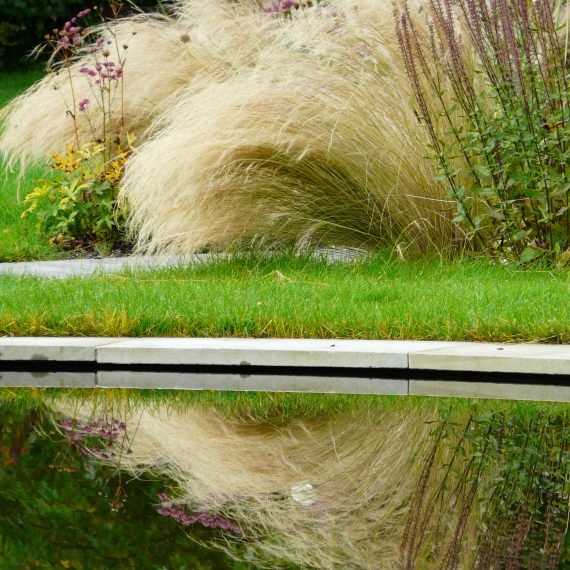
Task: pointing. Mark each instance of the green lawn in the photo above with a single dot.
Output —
(471, 300)
(279, 297)
(19, 239)
(13, 83)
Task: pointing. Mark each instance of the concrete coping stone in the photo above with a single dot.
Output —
(415, 355)
(263, 352)
(451, 357)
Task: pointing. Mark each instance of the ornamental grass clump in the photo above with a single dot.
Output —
(293, 124)
(491, 85)
(313, 141)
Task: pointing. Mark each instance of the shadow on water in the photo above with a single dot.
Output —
(417, 484)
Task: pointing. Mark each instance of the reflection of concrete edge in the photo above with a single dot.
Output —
(48, 379)
(272, 383)
(258, 382)
(458, 389)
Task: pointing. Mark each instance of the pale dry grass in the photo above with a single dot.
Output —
(263, 130)
(38, 122)
(315, 143)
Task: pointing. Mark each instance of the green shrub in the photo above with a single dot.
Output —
(76, 204)
(496, 103)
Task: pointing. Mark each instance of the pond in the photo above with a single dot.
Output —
(297, 481)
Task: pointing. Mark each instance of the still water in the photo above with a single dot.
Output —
(386, 483)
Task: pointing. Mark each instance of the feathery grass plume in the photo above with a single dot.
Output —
(316, 143)
(162, 55)
(39, 121)
(260, 127)
(325, 492)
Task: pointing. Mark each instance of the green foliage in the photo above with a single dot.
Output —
(500, 130)
(76, 203)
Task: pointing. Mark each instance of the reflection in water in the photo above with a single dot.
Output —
(60, 509)
(412, 484)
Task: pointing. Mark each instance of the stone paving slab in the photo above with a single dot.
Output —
(100, 266)
(249, 383)
(491, 357)
(59, 349)
(263, 352)
(494, 391)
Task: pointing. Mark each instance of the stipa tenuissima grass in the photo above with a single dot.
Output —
(255, 127)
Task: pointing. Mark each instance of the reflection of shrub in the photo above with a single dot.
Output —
(77, 201)
(498, 479)
(499, 127)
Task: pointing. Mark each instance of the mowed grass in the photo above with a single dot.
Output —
(20, 239)
(284, 296)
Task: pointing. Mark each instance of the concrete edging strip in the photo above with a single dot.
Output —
(528, 359)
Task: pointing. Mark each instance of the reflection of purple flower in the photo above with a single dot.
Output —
(179, 514)
(102, 431)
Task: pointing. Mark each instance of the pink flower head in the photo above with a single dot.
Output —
(83, 105)
(84, 13)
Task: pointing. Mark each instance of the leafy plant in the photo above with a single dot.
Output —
(77, 202)
(492, 89)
